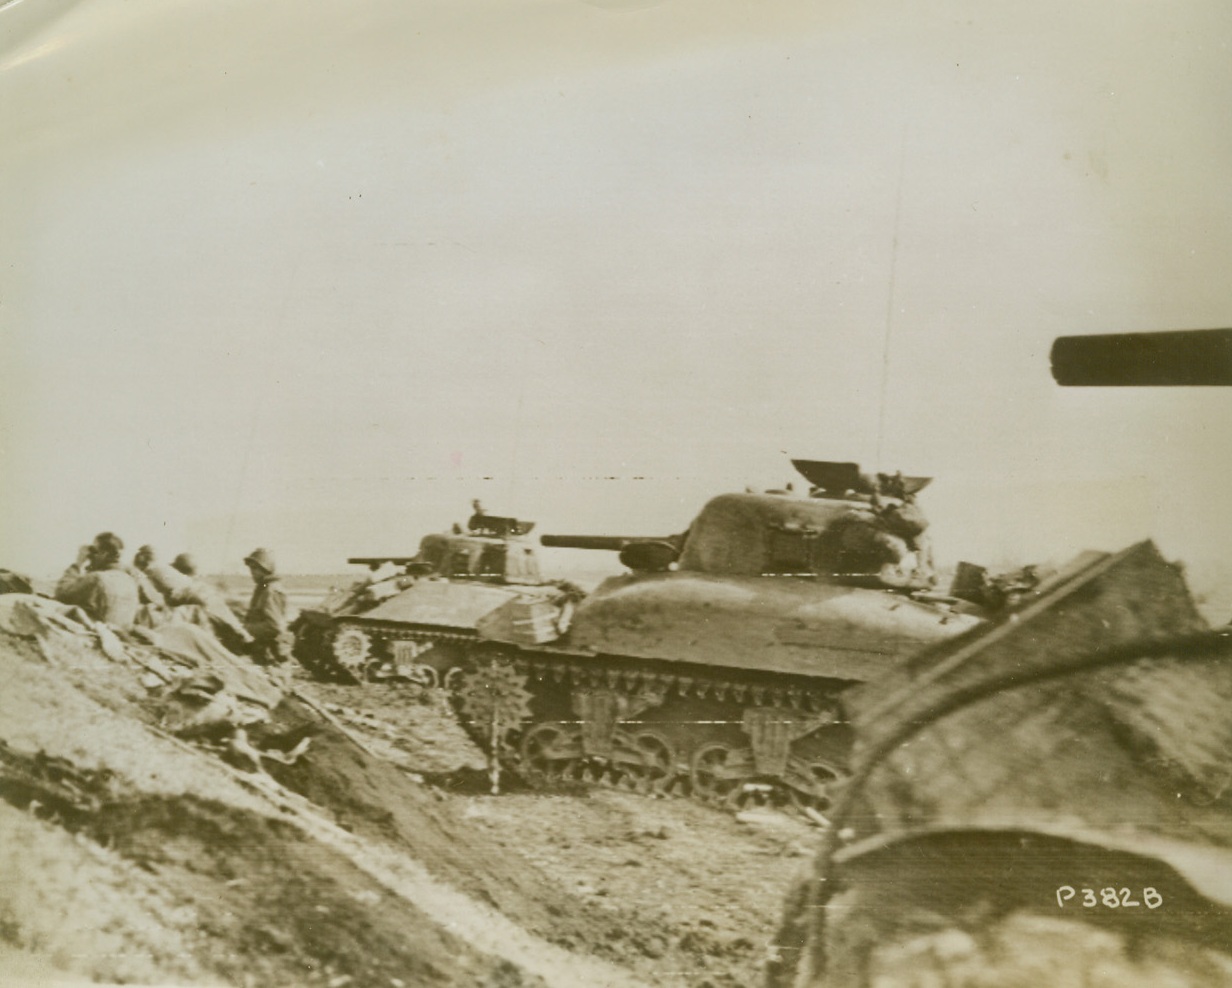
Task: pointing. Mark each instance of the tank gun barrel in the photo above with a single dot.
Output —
(643, 553)
(610, 543)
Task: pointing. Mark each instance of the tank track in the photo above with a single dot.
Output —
(641, 725)
(356, 651)
(649, 728)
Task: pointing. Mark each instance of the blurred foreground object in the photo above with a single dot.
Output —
(1079, 743)
(1170, 359)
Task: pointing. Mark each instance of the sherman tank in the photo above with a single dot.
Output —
(416, 616)
(715, 665)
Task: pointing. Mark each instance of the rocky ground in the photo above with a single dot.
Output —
(348, 837)
(130, 855)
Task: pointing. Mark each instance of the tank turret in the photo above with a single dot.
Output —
(415, 615)
(851, 529)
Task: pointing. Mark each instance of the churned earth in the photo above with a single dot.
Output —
(693, 889)
(375, 857)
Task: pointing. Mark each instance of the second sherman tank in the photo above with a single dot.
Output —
(417, 616)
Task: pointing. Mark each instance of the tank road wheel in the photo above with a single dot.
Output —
(551, 753)
(811, 785)
(654, 765)
(423, 675)
(718, 771)
(352, 651)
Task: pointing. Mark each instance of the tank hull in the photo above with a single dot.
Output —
(719, 686)
(424, 632)
(789, 625)
(725, 688)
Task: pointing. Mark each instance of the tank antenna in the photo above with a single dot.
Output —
(889, 322)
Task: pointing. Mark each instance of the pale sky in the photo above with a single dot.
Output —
(312, 275)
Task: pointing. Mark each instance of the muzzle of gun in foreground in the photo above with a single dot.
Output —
(1168, 359)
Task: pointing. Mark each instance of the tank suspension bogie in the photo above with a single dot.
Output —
(652, 767)
(719, 771)
(772, 731)
(728, 773)
(811, 783)
(551, 752)
(423, 674)
(650, 730)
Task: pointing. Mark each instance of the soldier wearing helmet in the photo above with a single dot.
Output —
(266, 620)
(98, 583)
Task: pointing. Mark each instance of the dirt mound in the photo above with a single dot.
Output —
(314, 852)
(409, 725)
(209, 879)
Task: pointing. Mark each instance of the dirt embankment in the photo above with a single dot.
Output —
(129, 855)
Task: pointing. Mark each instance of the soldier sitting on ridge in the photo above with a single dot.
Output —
(98, 583)
(170, 583)
(153, 602)
(182, 590)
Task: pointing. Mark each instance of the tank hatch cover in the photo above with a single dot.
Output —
(838, 478)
